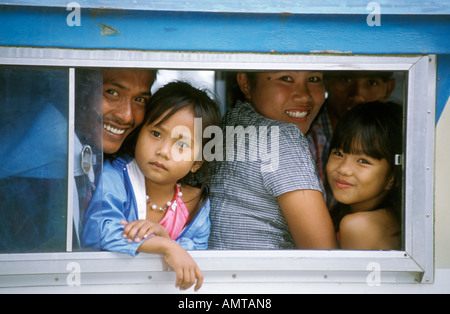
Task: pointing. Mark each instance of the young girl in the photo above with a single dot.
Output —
(144, 204)
(365, 179)
(277, 206)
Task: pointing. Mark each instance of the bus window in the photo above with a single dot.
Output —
(210, 81)
(42, 204)
(33, 155)
(344, 90)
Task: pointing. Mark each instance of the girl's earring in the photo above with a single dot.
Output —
(390, 183)
(196, 166)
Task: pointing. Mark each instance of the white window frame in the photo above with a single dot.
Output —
(415, 264)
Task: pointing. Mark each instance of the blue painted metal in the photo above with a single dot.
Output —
(443, 84)
(284, 33)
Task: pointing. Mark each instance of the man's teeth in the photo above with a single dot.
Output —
(297, 114)
(109, 128)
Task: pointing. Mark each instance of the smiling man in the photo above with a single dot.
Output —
(125, 95)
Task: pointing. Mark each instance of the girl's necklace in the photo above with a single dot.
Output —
(172, 204)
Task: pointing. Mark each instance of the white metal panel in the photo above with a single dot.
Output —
(419, 161)
(70, 167)
(203, 60)
(105, 268)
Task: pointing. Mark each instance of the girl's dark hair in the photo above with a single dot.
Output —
(175, 96)
(376, 130)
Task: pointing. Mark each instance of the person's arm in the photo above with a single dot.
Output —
(102, 228)
(186, 270)
(308, 219)
(368, 231)
(139, 230)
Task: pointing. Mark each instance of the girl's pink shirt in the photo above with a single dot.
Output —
(176, 217)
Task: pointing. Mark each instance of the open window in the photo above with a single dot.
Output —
(64, 73)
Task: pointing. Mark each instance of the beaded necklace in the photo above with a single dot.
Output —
(172, 204)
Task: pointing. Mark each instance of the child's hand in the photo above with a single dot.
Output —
(185, 268)
(142, 229)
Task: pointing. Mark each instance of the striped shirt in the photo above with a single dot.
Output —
(244, 209)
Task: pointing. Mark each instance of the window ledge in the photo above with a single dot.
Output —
(106, 268)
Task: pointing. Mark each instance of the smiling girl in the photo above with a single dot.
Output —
(145, 204)
(365, 179)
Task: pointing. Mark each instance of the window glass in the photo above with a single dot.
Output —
(34, 182)
(210, 81)
(344, 90)
(199, 79)
(88, 151)
(33, 155)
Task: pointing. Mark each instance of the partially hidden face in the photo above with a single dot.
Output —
(345, 92)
